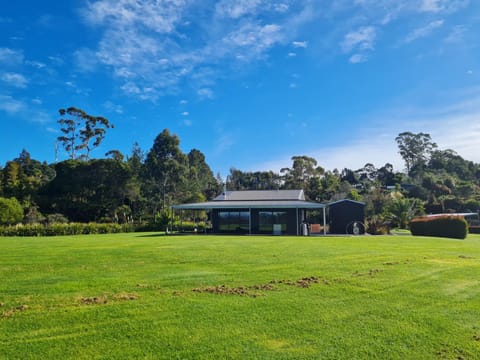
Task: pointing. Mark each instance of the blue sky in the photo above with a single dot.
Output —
(249, 83)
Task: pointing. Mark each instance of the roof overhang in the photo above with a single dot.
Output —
(289, 204)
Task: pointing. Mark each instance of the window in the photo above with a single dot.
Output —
(268, 218)
(234, 221)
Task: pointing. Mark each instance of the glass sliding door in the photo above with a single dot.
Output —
(234, 222)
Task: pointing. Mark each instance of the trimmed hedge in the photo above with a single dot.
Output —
(57, 229)
(474, 229)
(443, 226)
(64, 229)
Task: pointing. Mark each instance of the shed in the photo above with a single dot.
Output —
(346, 217)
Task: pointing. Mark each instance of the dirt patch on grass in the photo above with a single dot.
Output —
(305, 282)
(104, 299)
(94, 300)
(371, 273)
(476, 337)
(125, 296)
(465, 257)
(240, 290)
(14, 310)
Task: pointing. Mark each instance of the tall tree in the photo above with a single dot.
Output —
(415, 149)
(81, 131)
(201, 176)
(303, 169)
(166, 168)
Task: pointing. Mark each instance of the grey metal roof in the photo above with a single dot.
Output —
(346, 200)
(256, 204)
(261, 195)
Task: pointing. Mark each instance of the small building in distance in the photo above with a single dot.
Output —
(277, 212)
(346, 217)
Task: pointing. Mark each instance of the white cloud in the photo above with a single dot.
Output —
(35, 64)
(160, 16)
(149, 43)
(292, 54)
(14, 79)
(10, 105)
(424, 31)
(205, 93)
(436, 6)
(300, 44)
(85, 60)
(457, 34)
(37, 101)
(185, 113)
(236, 9)
(360, 40)
(256, 38)
(11, 57)
(358, 58)
(111, 107)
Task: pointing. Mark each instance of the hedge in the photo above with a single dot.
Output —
(94, 228)
(443, 226)
(64, 229)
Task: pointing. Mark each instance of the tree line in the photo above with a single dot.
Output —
(140, 186)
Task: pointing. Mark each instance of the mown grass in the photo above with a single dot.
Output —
(130, 296)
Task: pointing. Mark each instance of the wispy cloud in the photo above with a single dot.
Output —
(360, 39)
(112, 107)
(436, 6)
(14, 79)
(150, 47)
(456, 34)
(21, 109)
(10, 105)
(10, 56)
(300, 44)
(155, 47)
(358, 58)
(424, 31)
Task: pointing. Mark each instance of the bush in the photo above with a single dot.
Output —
(64, 229)
(449, 226)
(377, 226)
(11, 212)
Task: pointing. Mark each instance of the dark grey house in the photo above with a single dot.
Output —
(280, 212)
(346, 217)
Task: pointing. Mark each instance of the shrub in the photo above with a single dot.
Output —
(377, 226)
(64, 229)
(11, 212)
(449, 226)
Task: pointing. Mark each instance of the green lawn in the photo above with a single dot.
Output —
(241, 297)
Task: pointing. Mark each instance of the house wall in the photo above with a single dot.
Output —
(262, 221)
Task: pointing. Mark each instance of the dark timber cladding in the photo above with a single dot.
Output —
(257, 211)
(343, 214)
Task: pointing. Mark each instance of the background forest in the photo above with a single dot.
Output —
(139, 187)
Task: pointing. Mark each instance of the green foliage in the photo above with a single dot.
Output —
(415, 149)
(440, 226)
(87, 190)
(400, 211)
(376, 225)
(80, 130)
(57, 229)
(11, 212)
